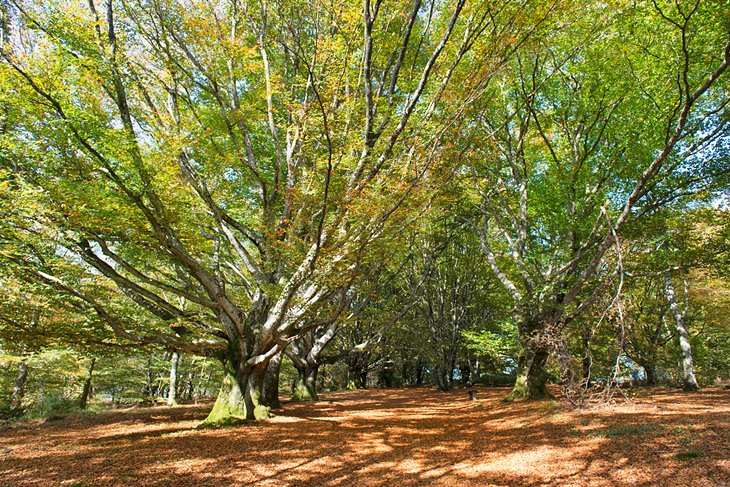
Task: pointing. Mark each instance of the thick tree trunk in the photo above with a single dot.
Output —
(240, 396)
(305, 388)
(531, 380)
(271, 383)
(688, 374)
(16, 400)
(650, 371)
(86, 391)
(172, 390)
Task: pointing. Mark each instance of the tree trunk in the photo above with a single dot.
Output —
(271, 382)
(419, 372)
(86, 392)
(306, 384)
(531, 380)
(688, 374)
(16, 400)
(357, 374)
(587, 362)
(442, 379)
(650, 370)
(240, 396)
(172, 390)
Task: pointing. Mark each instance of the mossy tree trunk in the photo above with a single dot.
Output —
(539, 336)
(443, 378)
(531, 382)
(241, 393)
(240, 396)
(270, 396)
(305, 388)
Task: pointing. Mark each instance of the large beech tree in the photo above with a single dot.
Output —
(620, 112)
(227, 164)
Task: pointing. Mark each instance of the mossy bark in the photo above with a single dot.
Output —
(229, 403)
(270, 396)
(240, 397)
(305, 388)
(532, 377)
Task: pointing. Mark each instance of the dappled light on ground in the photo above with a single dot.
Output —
(388, 437)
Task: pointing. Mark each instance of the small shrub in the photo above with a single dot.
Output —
(53, 405)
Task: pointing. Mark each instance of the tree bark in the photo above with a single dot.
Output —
(305, 388)
(86, 392)
(531, 382)
(688, 374)
(241, 393)
(442, 378)
(650, 371)
(172, 390)
(16, 400)
(271, 382)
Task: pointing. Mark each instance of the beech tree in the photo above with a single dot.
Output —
(619, 112)
(225, 164)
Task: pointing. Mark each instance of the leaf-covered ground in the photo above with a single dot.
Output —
(388, 437)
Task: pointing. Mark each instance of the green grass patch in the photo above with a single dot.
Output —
(615, 433)
(688, 455)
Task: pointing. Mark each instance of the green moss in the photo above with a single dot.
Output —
(226, 422)
(261, 412)
(301, 393)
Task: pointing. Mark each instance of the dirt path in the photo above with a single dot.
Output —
(391, 437)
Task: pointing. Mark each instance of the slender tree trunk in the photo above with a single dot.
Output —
(688, 374)
(587, 362)
(16, 400)
(172, 391)
(86, 391)
(419, 372)
(271, 382)
(442, 378)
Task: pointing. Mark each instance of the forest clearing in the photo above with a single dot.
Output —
(283, 242)
(388, 437)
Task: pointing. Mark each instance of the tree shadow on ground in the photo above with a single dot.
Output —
(385, 437)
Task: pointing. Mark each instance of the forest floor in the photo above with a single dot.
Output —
(388, 437)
